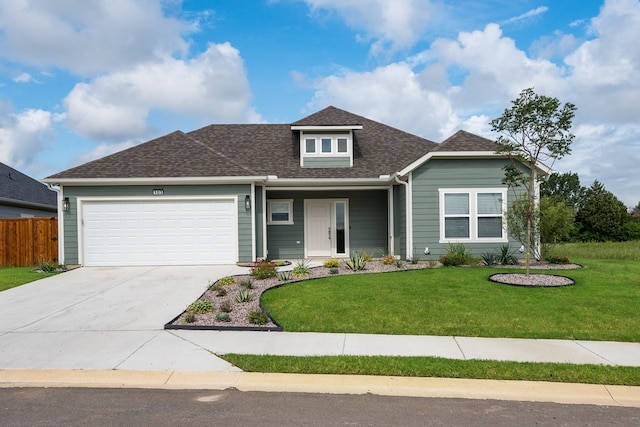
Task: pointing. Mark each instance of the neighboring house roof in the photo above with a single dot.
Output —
(18, 188)
(261, 150)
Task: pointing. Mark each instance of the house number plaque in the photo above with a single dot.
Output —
(158, 192)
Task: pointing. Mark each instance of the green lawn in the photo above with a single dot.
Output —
(602, 305)
(437, 367)
(10, 277)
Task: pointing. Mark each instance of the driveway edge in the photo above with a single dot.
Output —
(532, 391)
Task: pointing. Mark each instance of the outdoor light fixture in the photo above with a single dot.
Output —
(247, 202)
(66, 205)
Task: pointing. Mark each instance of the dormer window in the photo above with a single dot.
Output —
(326, 146)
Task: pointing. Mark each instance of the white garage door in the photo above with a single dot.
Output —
(168, 232)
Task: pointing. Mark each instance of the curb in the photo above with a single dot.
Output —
(532, 391)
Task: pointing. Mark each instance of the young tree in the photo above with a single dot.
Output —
(536, 129)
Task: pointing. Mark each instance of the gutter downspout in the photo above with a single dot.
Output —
(408, 217)
(58, 190)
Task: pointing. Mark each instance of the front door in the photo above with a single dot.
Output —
(326, 228)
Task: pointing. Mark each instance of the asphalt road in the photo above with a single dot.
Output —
(142, 407)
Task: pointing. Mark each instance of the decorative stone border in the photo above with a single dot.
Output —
(531, 280)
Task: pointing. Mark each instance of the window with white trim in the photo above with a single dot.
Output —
(472, 215)
(280, 211)
(337, 144)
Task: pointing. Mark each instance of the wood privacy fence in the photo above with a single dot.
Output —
(28, 241)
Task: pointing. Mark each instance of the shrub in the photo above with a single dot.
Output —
(223, 317)
(388, 260)
(225, 306)
(247, 284)
(200, 307)
(507, 256)
(48, 267)
(356, 262)
(301, 268)
(334, 270)
(331, 262)
(226, 281)
(258, 318)
(283, 276)
(489, 258)
(399, 263)
(263, 270)
(220, 292)
(415, 258)
(457, 254)
(558, 260)
(367, 257)
(244, 296)
(190, 318)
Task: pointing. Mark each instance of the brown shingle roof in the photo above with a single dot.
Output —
(465, 141)
(269, 149)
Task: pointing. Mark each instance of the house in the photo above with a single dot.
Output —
(325, 186)
(24, 197)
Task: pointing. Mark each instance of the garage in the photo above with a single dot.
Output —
(159, 232)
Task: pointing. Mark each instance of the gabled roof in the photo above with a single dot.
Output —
(465, 141)
(257, 150)
(16, 187)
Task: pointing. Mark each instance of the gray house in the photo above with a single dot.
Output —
(24, 197)
(327, 185)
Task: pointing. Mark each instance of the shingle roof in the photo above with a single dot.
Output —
(18, 187)
(258, 150)
(465, 141)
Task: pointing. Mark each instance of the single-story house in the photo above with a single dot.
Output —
(24, 197)
(325, 186)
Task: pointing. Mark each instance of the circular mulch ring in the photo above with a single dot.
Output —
(531, 280)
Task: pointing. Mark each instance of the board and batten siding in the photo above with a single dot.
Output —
(368, 221)
(399, 221)
(450, 173)
(238, 190)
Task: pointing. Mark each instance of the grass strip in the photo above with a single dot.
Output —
(438, 367)
(10, 277)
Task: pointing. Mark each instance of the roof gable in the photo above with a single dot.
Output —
(466, 141)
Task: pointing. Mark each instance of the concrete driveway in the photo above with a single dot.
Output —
(106, 318)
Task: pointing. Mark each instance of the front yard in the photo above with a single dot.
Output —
(10, 277)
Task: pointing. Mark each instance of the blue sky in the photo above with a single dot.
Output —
(79, 80)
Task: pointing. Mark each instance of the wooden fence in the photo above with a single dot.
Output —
(28, 241)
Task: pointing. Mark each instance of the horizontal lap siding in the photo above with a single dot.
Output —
(239, 190)
(368, 220)
(436, 174)
(326, 162)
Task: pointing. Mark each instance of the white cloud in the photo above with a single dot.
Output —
(23, 78)
(527, 15)
(87, 36)
(23, 134)
(212, 87)
(394, 24)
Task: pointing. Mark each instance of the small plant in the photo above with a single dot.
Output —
(226, 281)
(200, 307)
(263, 270)
(367, 257)
(283, 276)
(225, 306)
(48, 267)
(507, 256)
(258, 318)
(356, 262)
(457, 254)
(223, 317)
(415, 258)
(246, 284)
(432, 263)
(558, 260)
(489, 258)
(301, 268)
(331, 262)
(244, 296)
(190, 318)
(388, 260)
(334, 270)
(399, 263)
(220, 292)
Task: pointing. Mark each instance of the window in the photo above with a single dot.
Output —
(327, 145)
(472, 215)
(280, 211)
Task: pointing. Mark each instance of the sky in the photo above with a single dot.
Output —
(80, 80)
